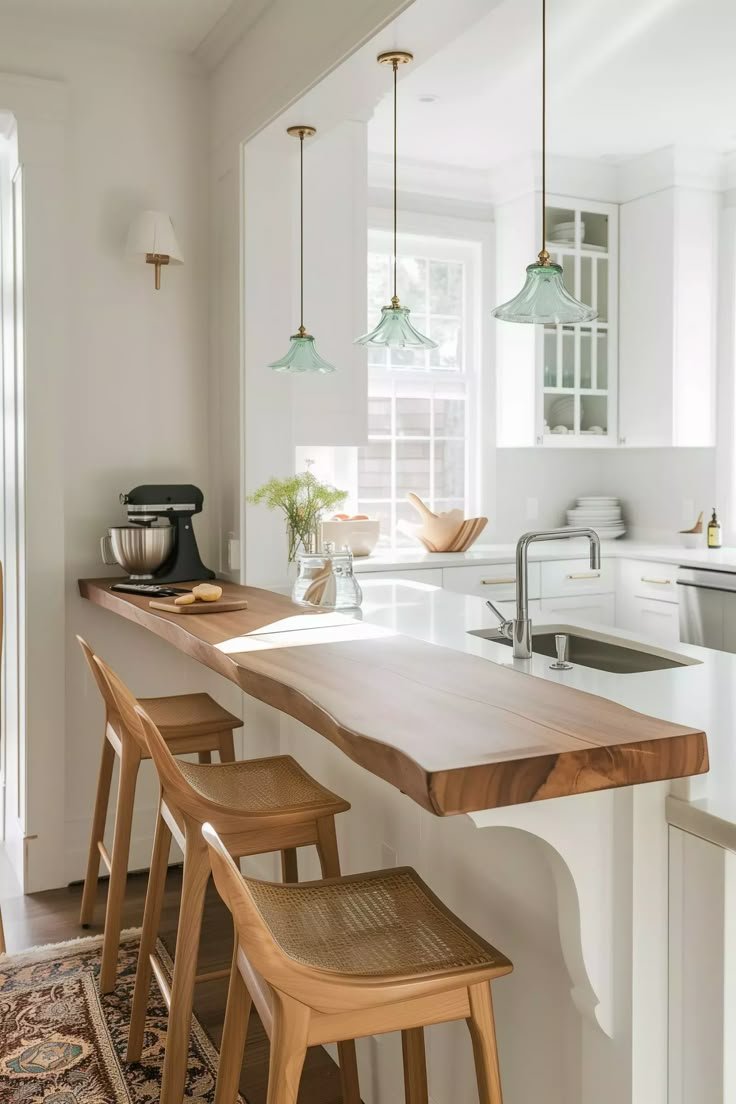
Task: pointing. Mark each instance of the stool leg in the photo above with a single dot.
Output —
(102, 799)
(2, 936)
(288, 1049)
(349, 1081)
(329, 856)
(234, 1035)
(151, 922)
(194, 887)
(415, 1066)
(129, 763)
(483, 1033)
(289, 865)
(227, 747)
(204, 756)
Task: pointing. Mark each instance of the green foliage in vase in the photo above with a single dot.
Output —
(303, 500)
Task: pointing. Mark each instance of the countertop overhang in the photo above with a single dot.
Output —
(455, 731)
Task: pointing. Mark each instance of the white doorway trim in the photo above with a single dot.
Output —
(35, 817)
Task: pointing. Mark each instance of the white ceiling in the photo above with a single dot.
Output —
(181, 25)
(624, 77)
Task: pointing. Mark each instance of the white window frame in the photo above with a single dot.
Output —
(429, 237)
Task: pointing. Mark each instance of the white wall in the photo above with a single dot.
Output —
(135, 379)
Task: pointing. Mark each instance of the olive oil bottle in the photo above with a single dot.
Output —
(714, 531)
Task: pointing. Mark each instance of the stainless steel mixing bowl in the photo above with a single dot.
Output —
(138, 549)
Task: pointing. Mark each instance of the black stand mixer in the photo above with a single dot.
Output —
(178, 503)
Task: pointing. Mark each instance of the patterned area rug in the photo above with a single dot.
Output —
(62, 1043)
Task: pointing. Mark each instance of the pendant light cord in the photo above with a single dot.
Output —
(395, 299)
(544, 258)
(302, 331)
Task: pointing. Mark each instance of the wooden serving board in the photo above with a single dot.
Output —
(222, 605)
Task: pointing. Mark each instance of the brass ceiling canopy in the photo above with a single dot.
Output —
(395, 57)
(301, 131)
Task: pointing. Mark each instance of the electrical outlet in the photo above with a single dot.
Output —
(233, 554)
(532, 509)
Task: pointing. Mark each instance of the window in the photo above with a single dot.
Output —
(420, 403)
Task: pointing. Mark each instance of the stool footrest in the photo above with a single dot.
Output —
(213, 975)
(161, 979)
(104, 855)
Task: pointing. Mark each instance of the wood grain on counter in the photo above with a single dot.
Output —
(456, 732)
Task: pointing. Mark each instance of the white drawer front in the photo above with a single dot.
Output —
(650, 580)
(598, 609)
(496, 581)
(659, 621)
(432, 575)
(563, 577)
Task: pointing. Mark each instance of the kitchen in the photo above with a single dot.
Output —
(598, 922)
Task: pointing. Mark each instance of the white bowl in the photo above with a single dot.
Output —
(361, 536)
(691, 540)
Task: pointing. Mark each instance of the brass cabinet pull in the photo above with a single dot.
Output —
(496, 582)
(657, 582)
(585, 575)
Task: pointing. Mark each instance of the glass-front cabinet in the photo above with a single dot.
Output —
(558, 385)
(576, 374)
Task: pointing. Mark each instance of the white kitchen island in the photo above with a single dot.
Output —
(614, 998)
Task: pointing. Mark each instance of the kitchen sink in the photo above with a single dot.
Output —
(596, 650)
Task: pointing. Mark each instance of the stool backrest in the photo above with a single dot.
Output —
(259, 945)
(126, 726)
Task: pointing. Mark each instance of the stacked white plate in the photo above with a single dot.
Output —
(564, 233)
(599, 512)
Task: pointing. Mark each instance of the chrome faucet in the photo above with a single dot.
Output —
(519, 631)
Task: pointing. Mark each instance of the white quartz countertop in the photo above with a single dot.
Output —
(482, 554)
(701, 695)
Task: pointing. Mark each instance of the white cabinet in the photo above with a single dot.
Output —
(667, 318)
(647, 600)
(598, 609)
(495, 581)
(561, 378)
(654, 620)
(563, 578)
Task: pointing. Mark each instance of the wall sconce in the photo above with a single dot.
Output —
(151, 238)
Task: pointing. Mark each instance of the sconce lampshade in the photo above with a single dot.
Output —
(152, 238)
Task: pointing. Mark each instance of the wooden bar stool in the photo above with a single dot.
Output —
(347, 957)
(258, 806)
(188, 723)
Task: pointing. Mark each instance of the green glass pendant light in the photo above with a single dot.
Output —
(395, 329)
(544, 299)
(302, 355)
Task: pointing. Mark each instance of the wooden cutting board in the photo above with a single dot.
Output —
(222, 605)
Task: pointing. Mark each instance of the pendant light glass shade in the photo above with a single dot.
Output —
(302, 357)
(544, 299)
(395, 331)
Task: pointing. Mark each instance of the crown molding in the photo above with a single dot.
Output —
(228, 31)
(670, 167)
(431, 179)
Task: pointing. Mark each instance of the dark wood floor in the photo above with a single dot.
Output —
(54, 916)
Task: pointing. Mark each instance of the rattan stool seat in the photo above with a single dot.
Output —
(382, 924)
(189, 715)
(260, 786)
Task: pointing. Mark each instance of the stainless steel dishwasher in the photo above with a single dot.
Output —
(707, 603)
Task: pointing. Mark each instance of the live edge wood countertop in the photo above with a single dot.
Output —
(455, 732)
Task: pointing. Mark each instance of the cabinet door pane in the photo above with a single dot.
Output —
(550, 358)
(602, 304)
(602, 359)
(586, 359)
(568, 356)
